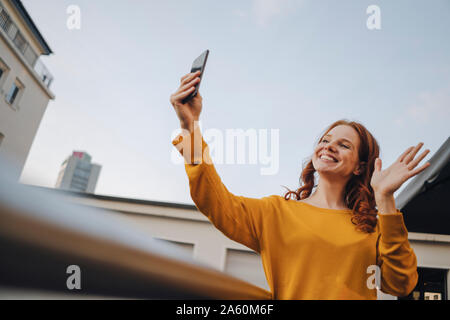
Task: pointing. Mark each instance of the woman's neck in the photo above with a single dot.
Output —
(328, 194)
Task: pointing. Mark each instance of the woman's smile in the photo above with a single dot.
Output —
(328, 158)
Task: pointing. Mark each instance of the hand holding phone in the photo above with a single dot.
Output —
(198, 65)
(188, 89)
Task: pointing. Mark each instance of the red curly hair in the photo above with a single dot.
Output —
(359, 195)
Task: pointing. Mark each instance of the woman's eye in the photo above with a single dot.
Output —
(345, 146)
(324, 140)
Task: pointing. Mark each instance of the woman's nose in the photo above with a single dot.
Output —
(330, 147)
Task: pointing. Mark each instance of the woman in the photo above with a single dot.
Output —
(323, 245)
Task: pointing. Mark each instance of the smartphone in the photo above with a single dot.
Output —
(198, 64)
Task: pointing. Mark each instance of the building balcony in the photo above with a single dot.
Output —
(22, 45)
(43, 73)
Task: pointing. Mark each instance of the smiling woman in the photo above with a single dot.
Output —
(310, 247)
(344, 158)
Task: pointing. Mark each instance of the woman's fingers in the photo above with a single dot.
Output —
(189, 84)
(188, 77)
(419, 170)
(412, 154)
(187, 88)
(378, 164)
(185, 77)
(180, 95)
(404, 154)
(415, 162)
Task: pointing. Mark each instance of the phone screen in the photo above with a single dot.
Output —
(198, 64)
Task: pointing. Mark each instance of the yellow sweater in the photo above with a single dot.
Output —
(307, 252)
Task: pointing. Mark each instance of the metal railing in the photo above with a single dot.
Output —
(13, 33)
(41, 234)
(43, 73)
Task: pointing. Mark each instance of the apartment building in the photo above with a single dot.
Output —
(24, 83)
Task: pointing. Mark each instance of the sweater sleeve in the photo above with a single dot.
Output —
(237, 217)
(395, 256)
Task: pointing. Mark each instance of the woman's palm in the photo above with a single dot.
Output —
(389, 180)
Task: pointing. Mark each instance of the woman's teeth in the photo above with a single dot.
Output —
(327, 158)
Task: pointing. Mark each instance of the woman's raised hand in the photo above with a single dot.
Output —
(386, 182)
(190, 111)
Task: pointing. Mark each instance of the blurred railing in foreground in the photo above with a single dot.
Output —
(41, 235)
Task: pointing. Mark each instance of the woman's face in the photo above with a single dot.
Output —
(337, 153)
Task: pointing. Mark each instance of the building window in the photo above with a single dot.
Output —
(5, 21)
(246, 265)
(3, 72)
(432, 285)
(188, 248)
(14, 94)
(20, 42)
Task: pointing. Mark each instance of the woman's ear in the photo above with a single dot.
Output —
(359, 169)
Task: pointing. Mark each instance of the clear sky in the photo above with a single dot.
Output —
(296, 66)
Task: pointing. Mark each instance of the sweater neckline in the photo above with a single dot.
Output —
(325, 209)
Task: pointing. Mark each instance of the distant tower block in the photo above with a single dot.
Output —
(77, 173)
